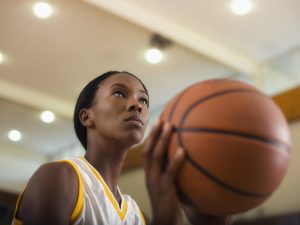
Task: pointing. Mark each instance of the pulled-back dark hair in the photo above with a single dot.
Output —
(86, 98)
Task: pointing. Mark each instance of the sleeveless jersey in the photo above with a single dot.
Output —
(96, 204)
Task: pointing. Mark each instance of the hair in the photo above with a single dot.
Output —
(85, 100)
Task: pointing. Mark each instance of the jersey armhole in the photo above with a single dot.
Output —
(16, 220)
(79, 203)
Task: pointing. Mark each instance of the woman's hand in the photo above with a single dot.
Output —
(160, 178)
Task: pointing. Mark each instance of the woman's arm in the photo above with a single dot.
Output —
(50, 196)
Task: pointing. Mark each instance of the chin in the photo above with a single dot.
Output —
(134, 139)
(137, 140)
(130, 137)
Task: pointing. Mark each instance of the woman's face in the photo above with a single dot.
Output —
(120, 109)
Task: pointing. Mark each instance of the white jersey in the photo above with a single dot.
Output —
(96, 204)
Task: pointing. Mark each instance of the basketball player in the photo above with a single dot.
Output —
(110, 116)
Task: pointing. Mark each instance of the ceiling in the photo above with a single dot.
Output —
(47, 62)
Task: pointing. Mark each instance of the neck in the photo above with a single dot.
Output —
(108, 159)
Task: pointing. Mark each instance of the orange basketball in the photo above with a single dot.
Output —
(236, 142)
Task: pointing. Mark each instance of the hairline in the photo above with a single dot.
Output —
(121, 73)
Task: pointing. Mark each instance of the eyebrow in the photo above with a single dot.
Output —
(124, 86)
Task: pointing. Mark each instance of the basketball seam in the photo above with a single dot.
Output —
(176, 103)
(279, 145)
(209, 97)
(222, 183)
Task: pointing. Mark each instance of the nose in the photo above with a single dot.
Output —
(134, 105)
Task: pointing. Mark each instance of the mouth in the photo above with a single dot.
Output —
(135, 119)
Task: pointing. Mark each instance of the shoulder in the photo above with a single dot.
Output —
(60, 168)
(52, 189)
(54, 175)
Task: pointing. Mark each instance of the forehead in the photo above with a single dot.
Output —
(123, 79)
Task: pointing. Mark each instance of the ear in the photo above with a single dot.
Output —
(85, 117)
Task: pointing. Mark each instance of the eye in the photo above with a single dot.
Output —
(144, 101)
(119, 94)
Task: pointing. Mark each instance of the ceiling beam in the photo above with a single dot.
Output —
(35, 99)
(159, 23)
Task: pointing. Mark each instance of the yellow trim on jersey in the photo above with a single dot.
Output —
(142, 216)
(121, 212)
(79, 203)
(15, 220)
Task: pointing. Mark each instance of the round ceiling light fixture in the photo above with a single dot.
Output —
(47, 116)
(15, 135)
(153, 55)
(241, 7)
(158, 44)
(42, 10)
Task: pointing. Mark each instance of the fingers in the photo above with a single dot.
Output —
(155, 151)
(159, 151)
(150, 144)
(175, 164)
(156, 145)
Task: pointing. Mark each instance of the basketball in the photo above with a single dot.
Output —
(236, 142)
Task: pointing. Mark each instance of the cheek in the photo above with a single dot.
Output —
(107, 115)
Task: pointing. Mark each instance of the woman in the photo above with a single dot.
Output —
(110, 116)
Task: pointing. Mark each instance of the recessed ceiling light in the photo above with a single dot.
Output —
(241, 7)
(47, 116)
(14, 135)
(1, 57)
(42, 10)
(153, 55)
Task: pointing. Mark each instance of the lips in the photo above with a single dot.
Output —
(135, 119)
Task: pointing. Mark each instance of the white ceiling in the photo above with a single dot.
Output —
(270, 29)
(47, 62)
